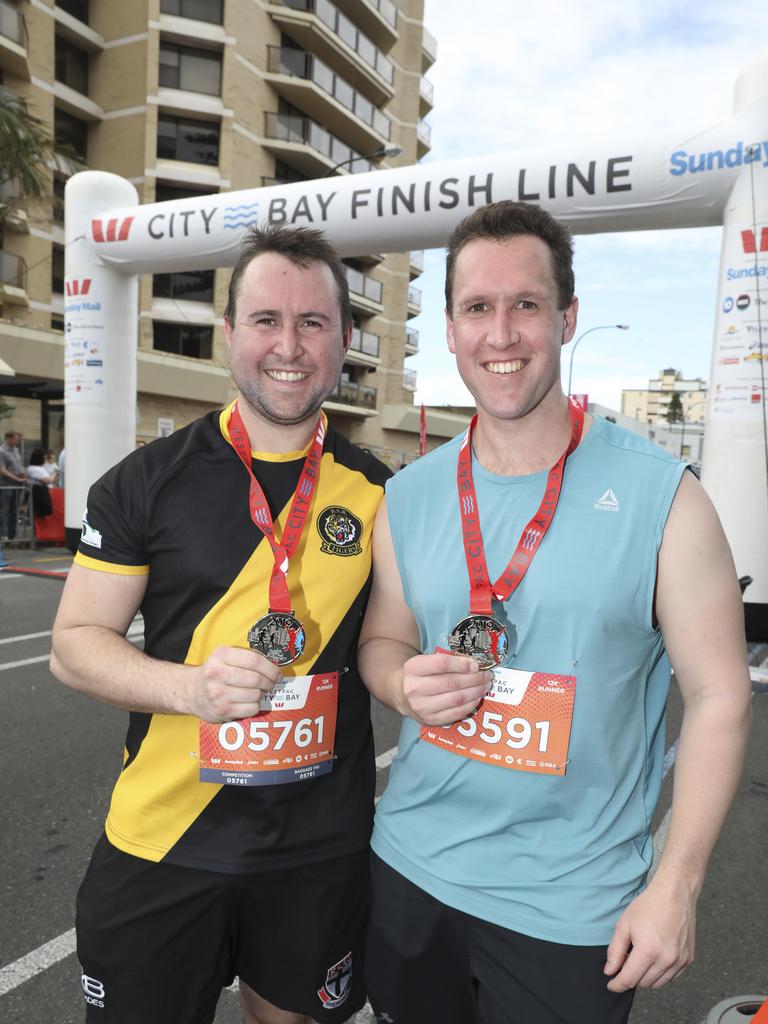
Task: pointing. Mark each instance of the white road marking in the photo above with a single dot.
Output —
(23, 662)
(8, 576)
(38, 960)
(385, 760)
(24, 636)
(135, 632)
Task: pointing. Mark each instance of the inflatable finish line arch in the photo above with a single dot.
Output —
(718, 176)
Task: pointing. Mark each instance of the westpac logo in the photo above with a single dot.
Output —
(78, 286)
(749, 241)
(116, 230)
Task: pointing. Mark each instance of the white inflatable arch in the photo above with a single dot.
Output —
(718, 176)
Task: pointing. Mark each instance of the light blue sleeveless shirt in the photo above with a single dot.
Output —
(557, 858)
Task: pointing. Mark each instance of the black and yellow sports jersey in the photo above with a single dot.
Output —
(177, 510)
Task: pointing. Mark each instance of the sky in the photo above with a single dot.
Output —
(544, 76)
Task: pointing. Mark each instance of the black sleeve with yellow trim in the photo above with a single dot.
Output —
(114, 535)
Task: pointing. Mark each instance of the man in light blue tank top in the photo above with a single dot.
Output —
(533, 581)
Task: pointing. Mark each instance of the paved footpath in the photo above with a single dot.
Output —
(61, 752)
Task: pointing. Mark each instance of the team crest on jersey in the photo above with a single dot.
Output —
(338, 984)
(340, 531)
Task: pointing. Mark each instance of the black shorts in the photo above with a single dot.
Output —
(427, 962)
(157, 943)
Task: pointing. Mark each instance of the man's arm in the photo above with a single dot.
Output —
(435, 689)
(91, 654)
(700, 612)
(10, 476)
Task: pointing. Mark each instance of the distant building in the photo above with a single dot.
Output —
(650, 405)
(686, 440)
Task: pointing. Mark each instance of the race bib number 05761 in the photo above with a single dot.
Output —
(523, 723)
(290, 740)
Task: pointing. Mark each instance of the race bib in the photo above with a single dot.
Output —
(523, 723)
(290, 740)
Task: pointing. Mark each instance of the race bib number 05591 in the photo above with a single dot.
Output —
(290, 740)
(523, 723)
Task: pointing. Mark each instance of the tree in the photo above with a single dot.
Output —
(675, 412)
(5, 409)
(26, 149)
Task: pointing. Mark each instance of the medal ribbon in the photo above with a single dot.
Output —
(481, 591)
(279, 597)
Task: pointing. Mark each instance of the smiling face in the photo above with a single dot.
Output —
(506, 330)
(286, 346)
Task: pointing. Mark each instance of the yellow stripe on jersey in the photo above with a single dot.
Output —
(159, 795)
(224, 418)
(119, 570)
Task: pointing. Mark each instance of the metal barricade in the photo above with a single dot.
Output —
(17, 516)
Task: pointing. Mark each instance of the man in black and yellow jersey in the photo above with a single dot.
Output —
(236, 840)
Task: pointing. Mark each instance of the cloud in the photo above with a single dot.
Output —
(556, 76)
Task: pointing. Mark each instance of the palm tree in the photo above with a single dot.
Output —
(26, 150)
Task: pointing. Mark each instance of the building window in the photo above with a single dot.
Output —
(72, 132)
(180, 138)
(57, 323)
(182, 67)
(187, 285)
(183, 339)
(57, 208)
(71, 65)
(200, 10)
(77, 8)
(165, 193)
(57, 270)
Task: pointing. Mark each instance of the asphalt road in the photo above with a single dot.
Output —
(60, 755)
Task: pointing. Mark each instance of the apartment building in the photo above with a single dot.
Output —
(189, 97)
(650, 405)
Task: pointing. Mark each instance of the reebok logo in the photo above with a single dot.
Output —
(749, 242)
(608, 502)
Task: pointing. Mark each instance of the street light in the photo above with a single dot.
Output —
(695, 405)
(603, 327)
(393, 150)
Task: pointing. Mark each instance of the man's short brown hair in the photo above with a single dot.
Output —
(503, 220)
(302, 246)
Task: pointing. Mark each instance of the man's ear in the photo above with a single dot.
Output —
(449, 332)
(570, 316)
(228, 332)
(346, 338)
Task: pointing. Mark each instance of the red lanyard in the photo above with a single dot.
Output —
(481, 591)
(279, 598)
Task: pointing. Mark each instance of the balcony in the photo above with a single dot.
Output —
(377, 18)
(409, 380)
(426, 96)
(411, 341)
(13, 279)
(365, 292)
(364, 349)
(414, 301)
(416, 263)
(354, 398)
(14, 218)
(321, 28)
(307, 146)
(13, 41)
(423, 138)
(313, 86)
(428, 49)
